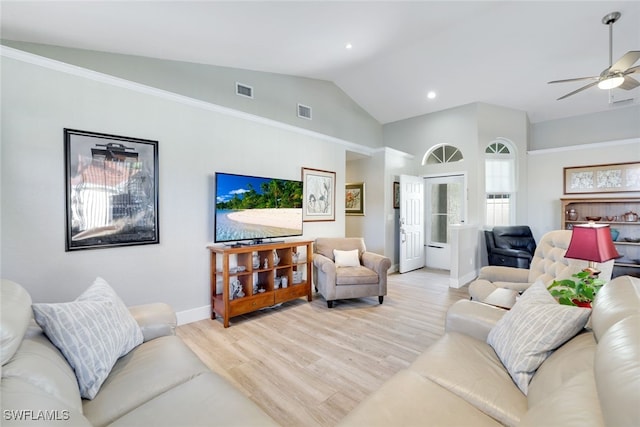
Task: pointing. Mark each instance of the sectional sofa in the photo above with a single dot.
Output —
(591, 380)
(161, 382)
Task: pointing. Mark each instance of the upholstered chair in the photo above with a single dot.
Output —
(548, 264)
(342, 269)
(510, 246)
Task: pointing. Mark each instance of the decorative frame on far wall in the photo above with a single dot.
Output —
(608, 178)
(111, 190)
(354, 198)
(319, 192)
(396, 195)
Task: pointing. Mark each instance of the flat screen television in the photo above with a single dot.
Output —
(249, 209)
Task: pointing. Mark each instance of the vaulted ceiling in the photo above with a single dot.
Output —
(498, 52)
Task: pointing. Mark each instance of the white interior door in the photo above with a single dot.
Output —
(445, 205)
(411, 223)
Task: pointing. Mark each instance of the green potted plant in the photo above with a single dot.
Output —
(580, 292)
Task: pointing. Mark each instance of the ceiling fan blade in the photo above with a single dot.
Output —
(627, 60)
(573, 80)
(629, 83)
(578, 90)
(632, 70)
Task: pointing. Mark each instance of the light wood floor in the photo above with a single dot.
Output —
(307, 365)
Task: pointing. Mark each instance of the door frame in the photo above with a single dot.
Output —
(427, 222)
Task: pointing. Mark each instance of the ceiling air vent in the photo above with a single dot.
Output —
(304, 111)
(244, 90)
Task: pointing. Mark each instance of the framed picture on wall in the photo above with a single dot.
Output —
(111, 185)
(396, 195)
(319, 192)
(609, 178)
(354, 198)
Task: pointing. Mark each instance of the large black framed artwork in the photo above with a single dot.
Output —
(111, 187)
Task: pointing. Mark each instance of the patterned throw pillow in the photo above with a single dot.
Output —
(91, 332)
(536, 325)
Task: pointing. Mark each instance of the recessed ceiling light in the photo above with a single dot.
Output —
(348, 46)
(431, 95)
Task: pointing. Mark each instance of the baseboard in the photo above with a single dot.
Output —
(193, 315)
(461, 281)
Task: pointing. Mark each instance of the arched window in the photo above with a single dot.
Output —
(500, 182)
(442, 154)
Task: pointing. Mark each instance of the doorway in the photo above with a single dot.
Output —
(445, 204)
(411, 223)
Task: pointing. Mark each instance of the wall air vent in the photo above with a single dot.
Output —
(304, 111)
(244, 90)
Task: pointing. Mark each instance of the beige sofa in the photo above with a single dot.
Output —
(161, 382)
(591, 380)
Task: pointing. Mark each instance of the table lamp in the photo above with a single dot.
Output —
(592, 242)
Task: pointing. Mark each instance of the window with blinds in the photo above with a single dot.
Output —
(499, 184)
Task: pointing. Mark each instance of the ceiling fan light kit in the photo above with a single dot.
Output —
(617, 75)
(611, 82)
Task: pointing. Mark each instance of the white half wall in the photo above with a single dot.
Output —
(464, 254)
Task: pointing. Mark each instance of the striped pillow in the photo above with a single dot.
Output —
(91, 332)
(536, 325)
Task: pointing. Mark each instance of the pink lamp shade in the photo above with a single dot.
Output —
(592, 242)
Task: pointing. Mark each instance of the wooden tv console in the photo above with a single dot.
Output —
(231, 263)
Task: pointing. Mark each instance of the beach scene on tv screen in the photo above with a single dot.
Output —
(250, 207)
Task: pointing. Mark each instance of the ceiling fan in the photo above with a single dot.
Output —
(616, 75)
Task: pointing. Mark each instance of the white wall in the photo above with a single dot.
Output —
(396, 164)
(470, 128)
(464, 254)
(380, 224)
(275, 95)
(370, 226)
(194, 142)
(457, 127)
(610, 125)
(546, 177)
(498, 122)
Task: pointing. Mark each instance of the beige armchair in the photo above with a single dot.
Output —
(548, 263)
(367, 278)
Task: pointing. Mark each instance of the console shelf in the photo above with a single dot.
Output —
(258, 284)
(611, 211)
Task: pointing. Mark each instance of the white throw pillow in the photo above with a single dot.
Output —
(346, 258)
(91, 332)
(536, 325)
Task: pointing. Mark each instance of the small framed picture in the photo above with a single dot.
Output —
(354, 198)
(396, 195)
(319, 195)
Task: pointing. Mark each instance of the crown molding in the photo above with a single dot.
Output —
(603, 144)
(63, 67)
